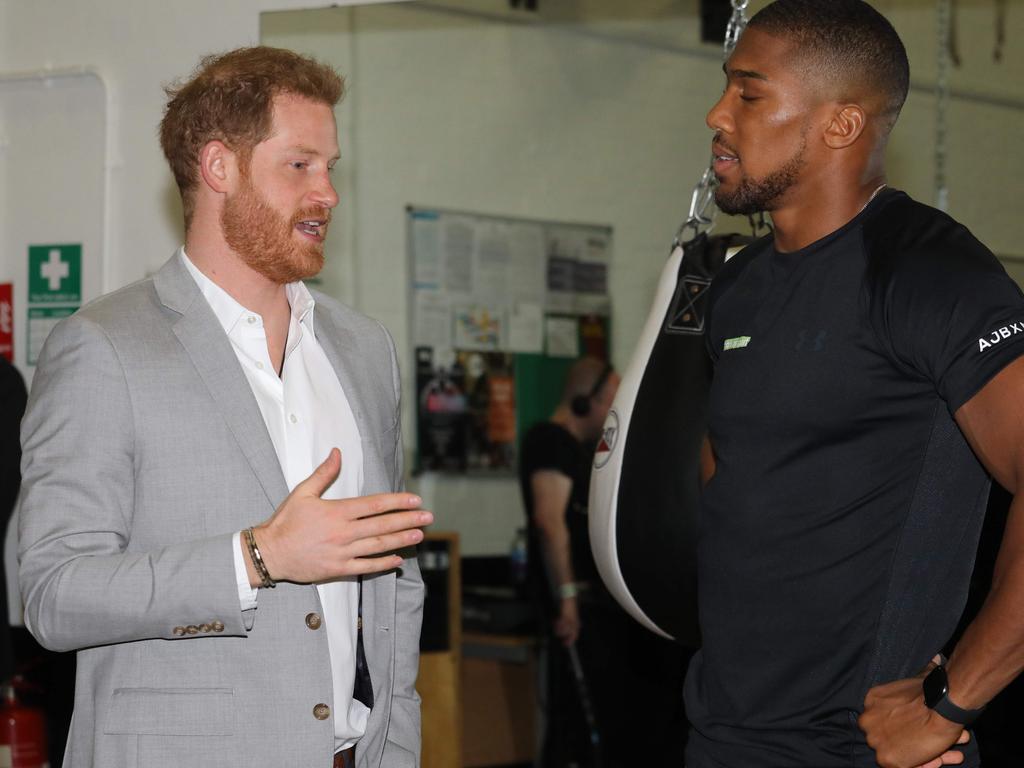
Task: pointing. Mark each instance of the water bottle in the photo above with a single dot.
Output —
(517, 558)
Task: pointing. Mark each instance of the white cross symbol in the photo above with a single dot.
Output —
(55, 270)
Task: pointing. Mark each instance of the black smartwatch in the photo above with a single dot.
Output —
(936, 696)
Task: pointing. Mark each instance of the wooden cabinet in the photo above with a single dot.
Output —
(499, 695)
(439, 675)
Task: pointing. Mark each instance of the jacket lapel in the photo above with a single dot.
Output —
(339, 345)
(207, 345)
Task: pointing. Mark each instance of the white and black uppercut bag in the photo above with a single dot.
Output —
(645, 484)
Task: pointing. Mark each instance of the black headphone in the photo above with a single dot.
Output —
(580, 404)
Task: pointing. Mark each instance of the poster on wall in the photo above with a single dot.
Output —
(7, 321)
(441, 413)
(54, 291)
(488, 294)
(466, 411)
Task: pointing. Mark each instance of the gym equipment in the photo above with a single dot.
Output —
(645, 484)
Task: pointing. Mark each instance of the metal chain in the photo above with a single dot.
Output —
(702, 202)
(944, 22)
(702, 208)
(997, 51)
(737, 23)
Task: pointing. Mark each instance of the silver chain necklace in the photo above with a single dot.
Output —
(873, 196)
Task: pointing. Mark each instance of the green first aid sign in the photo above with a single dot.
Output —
(55, 274)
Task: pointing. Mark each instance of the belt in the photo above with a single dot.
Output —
(346, 758)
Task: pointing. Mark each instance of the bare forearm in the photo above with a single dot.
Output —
(551, 492)
(991, 653)
(555, 543)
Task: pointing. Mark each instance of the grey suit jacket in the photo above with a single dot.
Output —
(144, 451)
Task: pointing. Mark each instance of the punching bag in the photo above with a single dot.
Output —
(645, 485)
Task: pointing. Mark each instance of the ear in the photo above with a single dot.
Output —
(845, 126)
(218, 166)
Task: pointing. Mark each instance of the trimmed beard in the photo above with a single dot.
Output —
(755, 195)
(265, 240)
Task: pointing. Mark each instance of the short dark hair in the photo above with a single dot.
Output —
(849, 39)
(230, 98)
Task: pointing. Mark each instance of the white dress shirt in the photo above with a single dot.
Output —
(306, 413)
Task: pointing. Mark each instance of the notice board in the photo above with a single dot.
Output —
(501, 307)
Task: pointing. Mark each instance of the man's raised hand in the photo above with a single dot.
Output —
(309, 539)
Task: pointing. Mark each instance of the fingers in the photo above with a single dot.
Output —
(322, 477)
(565, 632)
(367, 529)
(311, 539)
(361, 566)
(375, 545)
(952, 757)
(361, 507)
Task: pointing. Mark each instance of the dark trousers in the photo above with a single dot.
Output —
(634, 680)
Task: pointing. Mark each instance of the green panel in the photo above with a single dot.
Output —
(55, 274)
(538, 388)
(539, 380)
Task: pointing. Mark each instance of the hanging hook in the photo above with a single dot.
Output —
(702, 208)
(997, 50)
(737, 23)
(702, 202)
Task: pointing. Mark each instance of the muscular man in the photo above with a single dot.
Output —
(235, 590)
(868, 373)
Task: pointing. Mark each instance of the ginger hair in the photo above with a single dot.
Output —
(230, 98)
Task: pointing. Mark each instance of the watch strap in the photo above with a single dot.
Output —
(936, 687)
(956, 714)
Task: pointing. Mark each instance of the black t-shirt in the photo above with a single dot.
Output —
(550, 446)
(837, 536)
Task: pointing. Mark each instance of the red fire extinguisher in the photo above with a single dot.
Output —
(22, 732)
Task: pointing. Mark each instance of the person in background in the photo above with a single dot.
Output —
(631, 676)
(13, 397)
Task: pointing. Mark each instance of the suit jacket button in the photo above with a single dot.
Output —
(313, 620)
(218, 626)
(192, 629)
(205, 627)
(179, 631)
(321, 712)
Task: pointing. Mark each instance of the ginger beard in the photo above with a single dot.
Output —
(266, 241)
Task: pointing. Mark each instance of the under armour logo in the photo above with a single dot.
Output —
(818, 344)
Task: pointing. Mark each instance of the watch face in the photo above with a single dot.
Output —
(936, 686)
